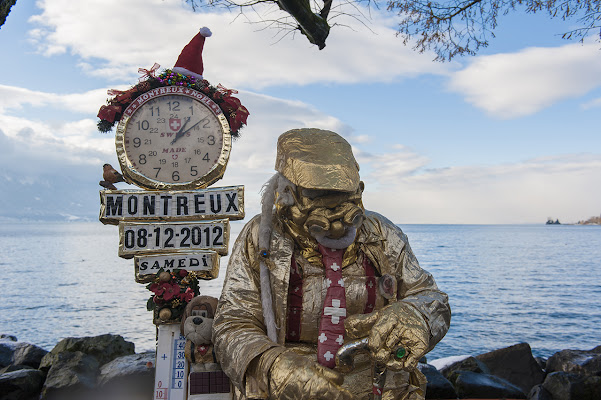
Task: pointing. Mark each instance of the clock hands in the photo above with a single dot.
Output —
(182, 132)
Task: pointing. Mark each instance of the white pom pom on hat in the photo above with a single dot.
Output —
(189, 61)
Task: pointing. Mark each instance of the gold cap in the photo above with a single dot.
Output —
(317, 159)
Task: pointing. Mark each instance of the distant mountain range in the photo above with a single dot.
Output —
(591, 221)
(48, 198)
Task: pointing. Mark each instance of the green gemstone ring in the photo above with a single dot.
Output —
(400, 353)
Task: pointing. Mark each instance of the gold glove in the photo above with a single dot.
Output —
(396, 327)
(294, 377)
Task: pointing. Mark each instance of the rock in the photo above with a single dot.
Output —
(542, 362)
(538, 392)
(24, 384)
(515, 364)
(566, 386)
(7, 349)
(438, 387)
(128, 376)
(28, 354)
(468, 364)
(104, 347)
(14, 367)
(4, 336)
(441, 363)
(469, 384)
(72, 376)
(584, 362)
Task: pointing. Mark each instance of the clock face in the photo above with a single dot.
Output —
(175, 138)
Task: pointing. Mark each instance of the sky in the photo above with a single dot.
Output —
(510, 135)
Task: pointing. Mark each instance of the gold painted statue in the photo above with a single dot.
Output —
(313, 275)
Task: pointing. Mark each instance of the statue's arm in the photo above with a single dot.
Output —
(238, 329)
(416, 286)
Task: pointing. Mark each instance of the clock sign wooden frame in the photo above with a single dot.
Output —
(173, 138)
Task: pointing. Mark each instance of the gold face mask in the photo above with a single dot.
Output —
(325, 214)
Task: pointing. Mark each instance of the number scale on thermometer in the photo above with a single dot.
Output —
(171, 367)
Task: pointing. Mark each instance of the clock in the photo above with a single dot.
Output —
(173, 138)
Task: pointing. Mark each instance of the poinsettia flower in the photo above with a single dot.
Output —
(109, 113)
(157, 289)
(170, 290)
(187, 296)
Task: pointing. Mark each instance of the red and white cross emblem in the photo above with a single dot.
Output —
(175, 124)
(335, 311)
(331, 325)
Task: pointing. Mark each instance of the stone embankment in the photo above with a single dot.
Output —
(107, 367)
(513, 373)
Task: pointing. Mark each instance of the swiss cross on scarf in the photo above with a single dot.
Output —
(331, 326)
(202, 349)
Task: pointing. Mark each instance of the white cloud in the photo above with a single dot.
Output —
(517, 84)
(15, 98)
(37, 145)
(398, 181)
(592, 104)
(113, 38)
(528, 192)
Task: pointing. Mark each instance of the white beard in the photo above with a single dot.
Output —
(340, 243)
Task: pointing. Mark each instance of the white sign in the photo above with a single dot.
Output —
(145, 238)
(183, 205)
(204, 264)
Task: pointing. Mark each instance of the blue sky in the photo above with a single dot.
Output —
(508, 136)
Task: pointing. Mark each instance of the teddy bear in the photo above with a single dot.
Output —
(196, 327)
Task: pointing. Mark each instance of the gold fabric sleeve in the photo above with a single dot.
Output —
(238, 329)
(415, 285)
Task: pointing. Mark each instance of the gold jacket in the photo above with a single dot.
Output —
(238, 330)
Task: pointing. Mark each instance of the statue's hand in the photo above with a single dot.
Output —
(292, 376)
(398, 325)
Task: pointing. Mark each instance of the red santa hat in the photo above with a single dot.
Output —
(189, 61)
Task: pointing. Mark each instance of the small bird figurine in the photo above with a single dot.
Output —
(110, 176)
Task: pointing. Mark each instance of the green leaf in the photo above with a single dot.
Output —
(150, 304)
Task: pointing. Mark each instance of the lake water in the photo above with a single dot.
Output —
(506, 283)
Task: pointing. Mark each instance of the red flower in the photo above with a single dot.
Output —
(109, 113)
(170, 290)
(157, 289)
(183, 273)
(187, 296)
(238, 118)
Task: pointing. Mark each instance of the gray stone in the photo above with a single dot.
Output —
(28, 354)
(104, 347)
(22, 384)
(438, 386)
(565, 386)
(468, 364)
(14, 367)
(7, 349)
(72, 375)
(583, 362)
(538, 392)
(469, 384)
(515, 364)
(5, 336)
(128, 376)
(542, 362)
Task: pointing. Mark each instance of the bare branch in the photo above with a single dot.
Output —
(448, 27)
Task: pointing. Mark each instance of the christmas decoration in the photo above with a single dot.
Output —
(186, 73)
(172, 291)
